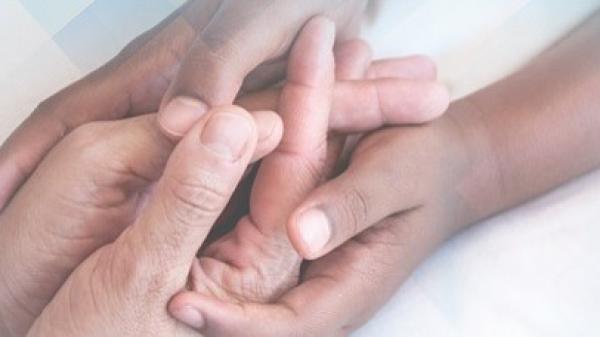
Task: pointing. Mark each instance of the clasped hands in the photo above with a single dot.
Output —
(104, 236)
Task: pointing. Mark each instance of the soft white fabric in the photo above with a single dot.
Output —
(533, 271)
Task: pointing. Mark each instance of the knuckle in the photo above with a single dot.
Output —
(355, 210)
(90, 142)
(218, 67)
(131, 276)
(217, 47)
(203, 195)
(87, 134)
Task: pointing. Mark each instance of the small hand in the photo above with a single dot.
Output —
(402, 195)
(255, 262)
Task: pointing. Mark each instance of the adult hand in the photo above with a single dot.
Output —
(207, 46)
(82, 196)
(123, 287)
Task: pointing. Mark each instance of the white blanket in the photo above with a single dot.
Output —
(533, 271)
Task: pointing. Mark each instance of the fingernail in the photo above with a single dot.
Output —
(178, 117)
(190, 316)
(226, 134)
(315, 230)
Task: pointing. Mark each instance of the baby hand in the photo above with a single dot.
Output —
(256, 263)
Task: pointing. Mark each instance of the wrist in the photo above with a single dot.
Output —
(479, 182)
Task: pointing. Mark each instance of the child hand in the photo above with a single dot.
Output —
(255, 263)
(404, 193)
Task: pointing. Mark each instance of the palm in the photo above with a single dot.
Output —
(94, 179)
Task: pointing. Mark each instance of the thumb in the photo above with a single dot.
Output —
(344, 207)
(200, 177)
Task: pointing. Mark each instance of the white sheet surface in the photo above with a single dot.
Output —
(534, 271)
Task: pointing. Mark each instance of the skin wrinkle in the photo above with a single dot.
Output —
(15, 302)
(356, 210)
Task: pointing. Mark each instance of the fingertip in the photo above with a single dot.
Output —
(438, 101)
(419, 102)
(178, 116)
(269, 127)
(205, 312)
(229, 132)
(310, 231)
(322, 26)
(319, 31)
(311, 60)
(188, 315)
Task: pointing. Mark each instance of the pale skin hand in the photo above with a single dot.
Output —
(204, 50)
(82, 196)
(99, 175)
(495, 148)
(255, 262)
(122, 288)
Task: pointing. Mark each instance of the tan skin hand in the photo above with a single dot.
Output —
(189, 42)
(348, 279)
(408, 189)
